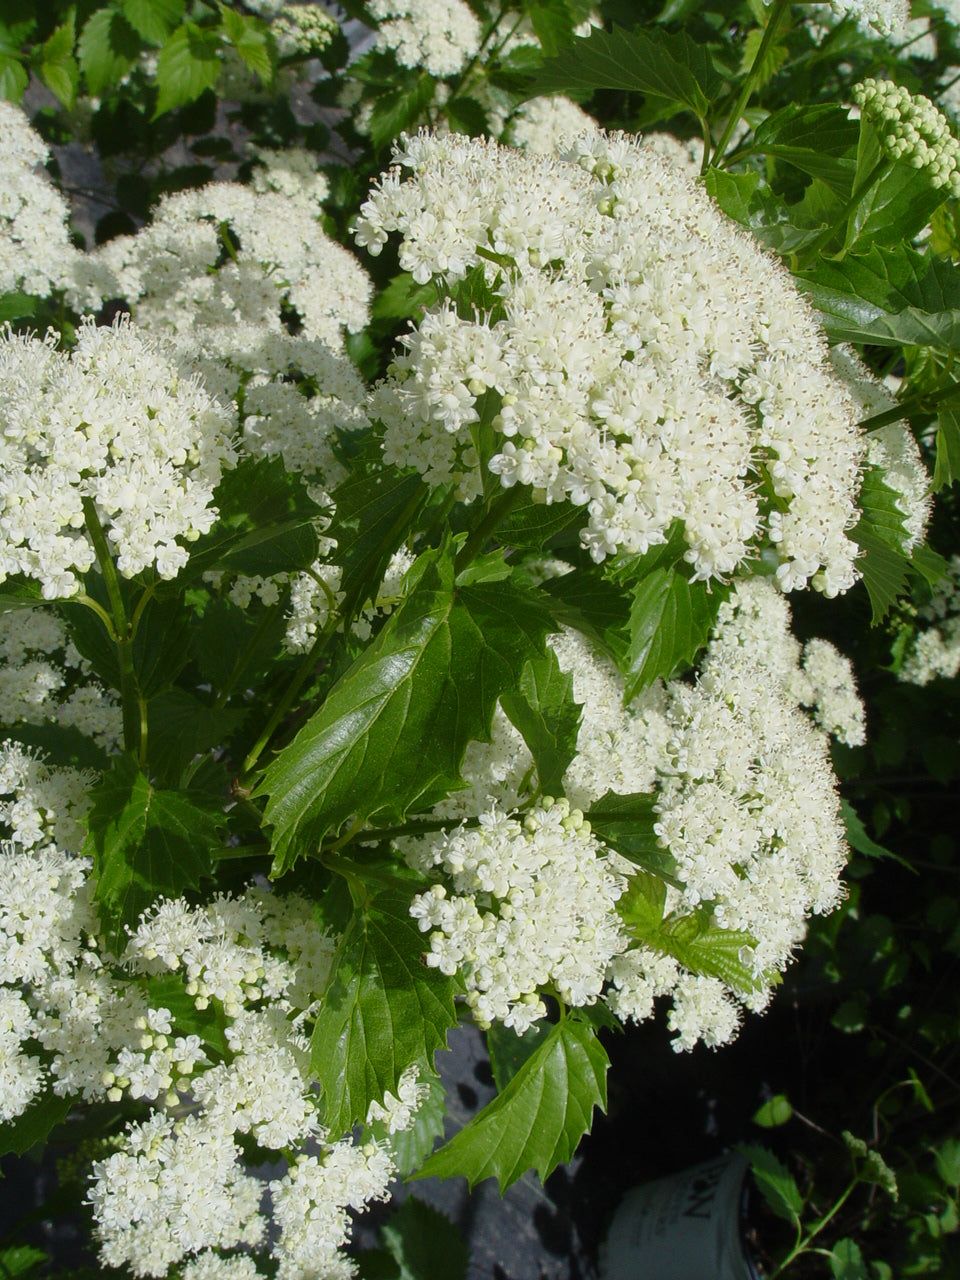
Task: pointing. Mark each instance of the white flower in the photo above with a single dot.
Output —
(935, 650)
(438, 35)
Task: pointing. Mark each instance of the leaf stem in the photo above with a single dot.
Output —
(500, 508)
(825, 236)
(903, 410)
(98, 609)
(750, 83)
(134, 708)
(803, 1245)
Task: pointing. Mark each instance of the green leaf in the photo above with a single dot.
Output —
(880, 535)
(153, 20)
(466, 115)
(531, 525)
(58, 67)
(393, 730)
(19, 1135)
(888, 297)
(774, 57)
(671, 68)
(946, 1157)
(775, 1184)
(641, 907)
(670, 620)
(14, 77)
(819, 139)
(411, 1147)
(144, 843)
(425, 1244)
(858, 839)
(13, 306)
(707, 949)
(846, 1261)
(774, 1112)
(626, 824)
(395, 110)
(168, 991)
(543, 710)
(253, 42)
(375, 509)
(894, 209)
(187, 64)
(402, 298)
(590, 604)
(107, 49)
(509, 1051)
(539, 1119)
(182, 727)
(266, 523)
(20, 1259)
(948, 449)
(383, 1011)
(553, 23)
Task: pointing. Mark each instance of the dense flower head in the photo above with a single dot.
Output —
(113, 422)
(885, 16)
(647, 361)
(911, 128)
(301, 29)
(438, 35)
(35, 247)
(934, 651)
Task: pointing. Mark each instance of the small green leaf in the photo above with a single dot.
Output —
(709, 950)
(187, 64)
(858, 839)
(32, 1126)
(946, 1157)
(775, 1184)
(846, 1261)
(553, 22)
(543, 710)
(897, 206)
(466, 115)
(539, 1118)
(402, 298)
(849, 1017)
(153, 20)
(383, 1011)
(20, 1260)
(425, 1244)
(673, 69)
(14, 77)
(880, 534)
(253, 42)
(775, 1111)
(58, 67)
(14, 306)
(948, 449)
(168, 991)
(395, 110)
(820, 139)
(641, 907)
(144, 843)
(107, 49)
(670, 620)
(626, 824)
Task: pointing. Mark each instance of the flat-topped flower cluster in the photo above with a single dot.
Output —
(641, 357)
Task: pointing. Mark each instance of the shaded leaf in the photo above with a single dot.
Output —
(383, 1011)
(411, 1147)
(774, 1112)
(775, 1183)
(509, 1051)
(153, 20)
(107, 49)
(538, 1119)
(43, 1114)
(542, 708)
(880, 534)
(846, 1261)
(947, 466)
(819, 139)
(395, 110)
(626, 824)
(425, 1244)
(253, 42)
(670, 620)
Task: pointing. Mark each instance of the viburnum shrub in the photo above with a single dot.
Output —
(399, 577)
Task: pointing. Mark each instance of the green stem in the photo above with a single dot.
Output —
(98, 609)
(750, 83)
(500, 508)
(920, 403)
(133, 706)
(465, 73)
(825, 236)
(803, 1245)
(351, 871)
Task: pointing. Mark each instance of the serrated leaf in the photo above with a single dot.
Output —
(144, 843)
(20, 1259)
(182, 727)
(393, 730)
(375, 509)
(590, 604)
(672, 68)
(538, 1120)
(888, 297)
(774, 57)
(402, 298)
(395, 110)
(411, 1146)
(894, 209)
(32, 1126)
(107, 49)
(509, 1051)
(708, 950)
(641, 906)
(626, 824)
(187, 64)
(774, 1112)
(531, 525)
(253, 42)
(553, 24)
(425, 1244)
(670, 620)
(58, 67)
(13, 306)
(466, 115)
(947, 466)
(846, 1261)
(858, 839)
(775, 1183)
(265, 526)
(820, 139)
(167, 991)
(880, 534)
(383, 1011)
(542, 708)
(153, 20)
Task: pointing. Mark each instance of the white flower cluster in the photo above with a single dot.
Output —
(886, 16)
(438, 35)
(746, 808)
(934, 652)
(35, 248)
(41, 804)
(649, 362)
(291, 172)
(43, 678)
(114, 422)
(912, 129)
(544, 124)
(534, 907)
(302, 30)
